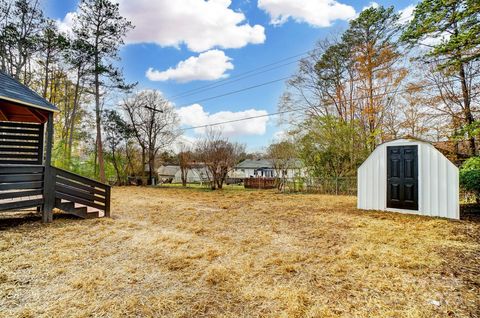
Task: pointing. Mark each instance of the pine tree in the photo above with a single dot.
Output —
(456, 26)
(100, 24)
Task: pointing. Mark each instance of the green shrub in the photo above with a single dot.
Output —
(471, 164)
(470, 176)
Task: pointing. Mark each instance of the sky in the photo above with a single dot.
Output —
(184, 45)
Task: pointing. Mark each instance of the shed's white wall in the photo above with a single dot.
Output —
(438, 188)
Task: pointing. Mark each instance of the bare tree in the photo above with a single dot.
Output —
(282, 155)
(219, 156)
(154, 123)
(185, 157)
(21, 24)
(447, 98)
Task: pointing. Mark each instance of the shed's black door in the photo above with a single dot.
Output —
(402, 177)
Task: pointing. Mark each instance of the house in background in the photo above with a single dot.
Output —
(173, 174)
(265, 168)
(166, 173)
(196, 174)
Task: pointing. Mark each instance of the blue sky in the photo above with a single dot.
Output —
(297, 32)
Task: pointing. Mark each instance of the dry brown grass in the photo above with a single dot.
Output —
(191, 253)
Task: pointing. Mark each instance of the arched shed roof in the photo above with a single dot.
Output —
(408, 139)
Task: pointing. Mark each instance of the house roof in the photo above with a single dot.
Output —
(255, 164)
(168, 170)
(265, 163)
(12, 90)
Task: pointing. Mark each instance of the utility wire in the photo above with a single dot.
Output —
(257, 71)
(236, 80)
(305, 108)
(238, 91)
(250, 73)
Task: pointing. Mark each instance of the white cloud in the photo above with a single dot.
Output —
(210, 65)
(372, 4)
(280, 135)
(65, 25)
(184, 142)
(199, 24)
(195, 115)
(318, 13)
(406, 14)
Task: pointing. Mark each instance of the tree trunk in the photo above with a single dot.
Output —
(47, 66)
(115, 165)
(101, 163)
(184, 172)
(469, 120)
(72, 119)
(371, 113)
(143, 162)
(151, 165)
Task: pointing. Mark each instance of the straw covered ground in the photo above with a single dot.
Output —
(194, 253)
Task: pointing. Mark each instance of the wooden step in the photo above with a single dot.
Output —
(65, 206)
(80, 211)
(92, 215)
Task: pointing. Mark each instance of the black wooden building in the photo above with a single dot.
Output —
(27, 178)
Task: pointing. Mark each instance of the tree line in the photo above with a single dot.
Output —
(382, 78)
(385, 78)
(77, 70)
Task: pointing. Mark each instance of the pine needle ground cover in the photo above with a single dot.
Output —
(194, 253)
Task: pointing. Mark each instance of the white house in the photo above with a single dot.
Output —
(167, 172)
(265, 168)
(409, 176)
(194, 175)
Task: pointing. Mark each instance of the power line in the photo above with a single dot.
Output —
(251, 73)
(243, 75)
(304, 108)
(259, 85)
(238, 91)
(236, 80)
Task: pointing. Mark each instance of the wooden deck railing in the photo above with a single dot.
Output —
(29, 186)
(77, 189)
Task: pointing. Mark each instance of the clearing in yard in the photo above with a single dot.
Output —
(171, 252)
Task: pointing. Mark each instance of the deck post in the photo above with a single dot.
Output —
(49, 176)
(107, 201)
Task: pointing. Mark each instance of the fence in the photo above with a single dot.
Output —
(260, 183)
(337, 186)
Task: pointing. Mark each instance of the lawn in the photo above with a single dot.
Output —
(171, 252)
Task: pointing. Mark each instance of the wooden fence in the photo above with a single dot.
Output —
(260, 183)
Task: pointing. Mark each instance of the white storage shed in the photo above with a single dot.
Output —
(409, 176)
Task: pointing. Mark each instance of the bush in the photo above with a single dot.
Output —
(471, 164)
(470, 176)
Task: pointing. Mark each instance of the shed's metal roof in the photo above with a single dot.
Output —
(14, 91)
